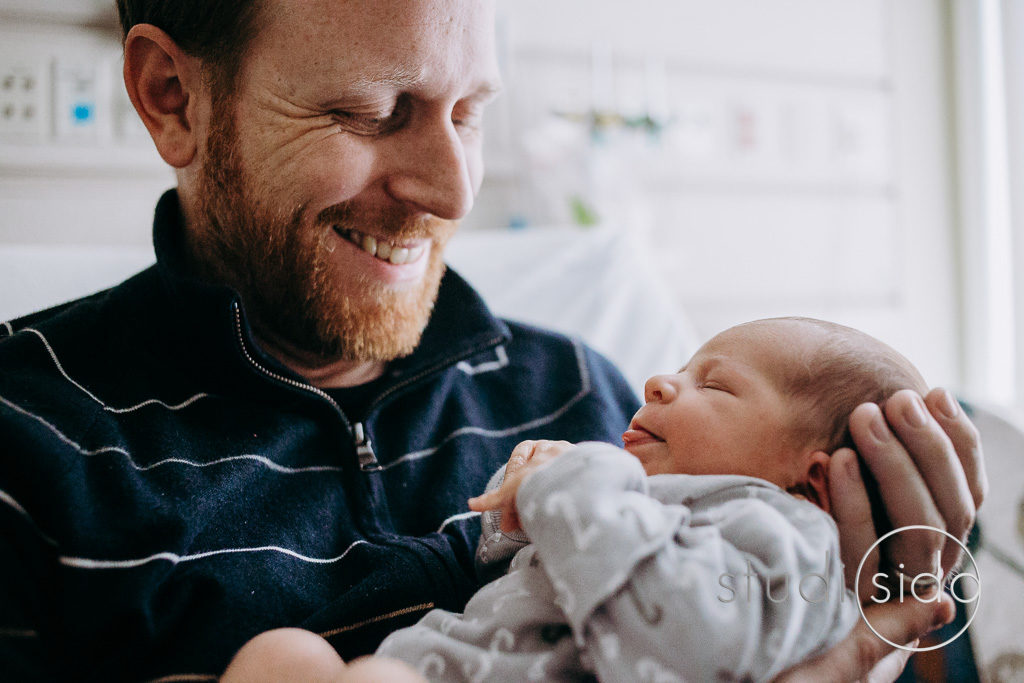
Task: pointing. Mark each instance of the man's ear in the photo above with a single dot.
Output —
(817, 480)
(164, 84)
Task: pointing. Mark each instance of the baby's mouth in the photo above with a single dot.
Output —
(637, 435)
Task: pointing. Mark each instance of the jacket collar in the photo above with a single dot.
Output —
(204, 315)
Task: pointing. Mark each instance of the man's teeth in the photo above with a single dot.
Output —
(385, 251)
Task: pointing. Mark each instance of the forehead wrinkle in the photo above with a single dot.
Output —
(386, 32)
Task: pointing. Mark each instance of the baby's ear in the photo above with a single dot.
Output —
(817, 480)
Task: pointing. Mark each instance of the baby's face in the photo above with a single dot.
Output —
(722, 414)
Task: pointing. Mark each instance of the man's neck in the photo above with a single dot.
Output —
(321, 373)
(318, 371)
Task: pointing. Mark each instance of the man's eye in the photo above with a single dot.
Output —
(373, 124)
(362, 124)
(469, 120)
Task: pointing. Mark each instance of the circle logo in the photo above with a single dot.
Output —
(963, 586)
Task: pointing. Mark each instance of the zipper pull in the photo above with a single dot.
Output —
(364, 449)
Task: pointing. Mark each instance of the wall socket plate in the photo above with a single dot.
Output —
(63, 108)
(24, 90)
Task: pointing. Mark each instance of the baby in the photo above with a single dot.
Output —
(624, 565)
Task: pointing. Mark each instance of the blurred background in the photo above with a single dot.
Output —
(658, 170)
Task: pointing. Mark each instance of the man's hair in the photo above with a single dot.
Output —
(216, 32)
(848, 368)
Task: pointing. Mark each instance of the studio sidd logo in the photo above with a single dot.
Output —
(964, 586)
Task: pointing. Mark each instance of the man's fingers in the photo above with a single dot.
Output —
(965, 438)
(937, 461)
(891, 666)
(908, 500)
(903, 622)
(851, 509)
(862, 652)
(935, 457)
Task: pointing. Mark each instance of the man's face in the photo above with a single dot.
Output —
(722, 413)
(335, 171)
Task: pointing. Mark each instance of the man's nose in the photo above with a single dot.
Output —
(431, 172)
(660, 389)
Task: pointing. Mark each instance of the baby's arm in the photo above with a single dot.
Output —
(642, 585)
(501, 535)
(496, 548)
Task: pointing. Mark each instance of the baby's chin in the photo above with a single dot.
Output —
(649, 464)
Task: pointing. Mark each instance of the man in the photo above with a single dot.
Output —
(280, 423)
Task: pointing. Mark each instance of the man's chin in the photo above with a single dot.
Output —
(381, 323)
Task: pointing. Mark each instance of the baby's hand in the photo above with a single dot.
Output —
(526, 457)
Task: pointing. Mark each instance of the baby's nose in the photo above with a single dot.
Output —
(659, 389)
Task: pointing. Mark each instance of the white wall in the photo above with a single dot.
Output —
(806, 170)
(62, 183)
(1013, 44)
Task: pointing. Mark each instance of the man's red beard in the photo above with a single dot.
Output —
(283, 267)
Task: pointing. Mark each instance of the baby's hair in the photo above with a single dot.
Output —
(830, 379)
(846, 369)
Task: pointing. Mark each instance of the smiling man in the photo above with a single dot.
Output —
(280, 423)
(331, 179)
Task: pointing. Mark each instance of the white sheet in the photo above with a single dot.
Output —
(588, 283)
(36, 276)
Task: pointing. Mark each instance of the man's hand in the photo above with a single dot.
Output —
(526, 457)
(926, 456)
(863, 655)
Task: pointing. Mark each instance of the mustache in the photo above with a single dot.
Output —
(394, 222)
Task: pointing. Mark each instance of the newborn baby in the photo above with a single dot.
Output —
(701, 550)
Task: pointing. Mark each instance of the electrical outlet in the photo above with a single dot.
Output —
(77, 107)
(23, 89)
(63, 106)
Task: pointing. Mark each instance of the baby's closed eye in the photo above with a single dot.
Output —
(714, 385)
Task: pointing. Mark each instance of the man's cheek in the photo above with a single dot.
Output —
(330, 169)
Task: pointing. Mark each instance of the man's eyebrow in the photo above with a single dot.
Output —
(405, 79)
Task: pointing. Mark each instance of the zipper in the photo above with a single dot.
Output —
(364, 449)
(367, 458)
